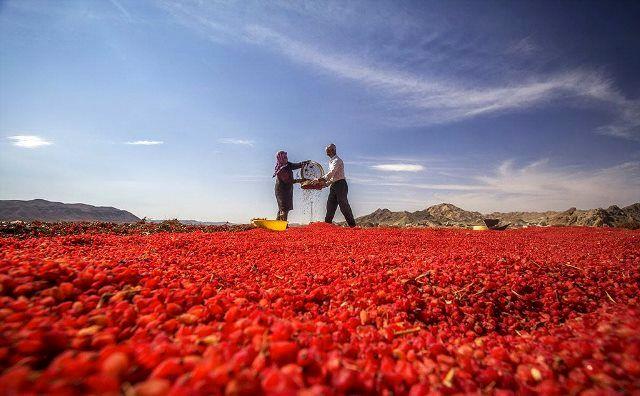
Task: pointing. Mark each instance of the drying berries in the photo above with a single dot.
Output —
(319, 310)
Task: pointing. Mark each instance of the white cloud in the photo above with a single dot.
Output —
(446, 100)
(539, 186)
(410, 98)
(399, 167)
(535, 186)
(241, 142)
(145, 142)
(28, 141)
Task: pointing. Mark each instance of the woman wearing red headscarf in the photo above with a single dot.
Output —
(283, 173)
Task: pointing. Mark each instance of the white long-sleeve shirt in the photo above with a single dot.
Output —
(336, 170)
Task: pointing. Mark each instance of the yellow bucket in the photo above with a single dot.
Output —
(273, 225)
(480, 228)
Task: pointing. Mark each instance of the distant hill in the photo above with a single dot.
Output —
(443, 215)
(448, 215)
(43, 210)
(613, 216)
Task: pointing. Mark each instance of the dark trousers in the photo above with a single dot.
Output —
(282, 215)
(338, 197)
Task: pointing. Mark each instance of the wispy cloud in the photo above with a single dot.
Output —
(28, 141)
(409, 98)
(398, 167)
(447, 99)
(525, 46)
(145, 142)
(241, 142)
(627, 126)
(537, 185)
(122, 10)
(541, 182)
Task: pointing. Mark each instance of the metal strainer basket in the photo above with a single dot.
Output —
(309, 172)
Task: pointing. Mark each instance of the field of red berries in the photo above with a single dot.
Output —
(322, 310)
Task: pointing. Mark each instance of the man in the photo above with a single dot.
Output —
(338, 188)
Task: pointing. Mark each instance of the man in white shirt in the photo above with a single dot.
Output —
(338, 188)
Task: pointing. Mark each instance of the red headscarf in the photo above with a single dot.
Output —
(281, 162)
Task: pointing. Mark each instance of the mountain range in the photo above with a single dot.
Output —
(43, 210)
(441, 215)
(448, 215)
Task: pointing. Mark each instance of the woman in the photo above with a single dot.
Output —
(284, 183)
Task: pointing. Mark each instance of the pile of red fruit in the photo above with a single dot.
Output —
(32, 229)
(322, 310)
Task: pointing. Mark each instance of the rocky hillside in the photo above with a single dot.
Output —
(613, 216)
(42, 210)
(447, 215)
(442, 215)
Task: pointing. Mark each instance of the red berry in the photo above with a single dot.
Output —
(283, 352)
(169, 369)
(153, 387)
(174, 309)
(116, 364)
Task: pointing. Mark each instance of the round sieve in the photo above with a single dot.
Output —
(311, 170)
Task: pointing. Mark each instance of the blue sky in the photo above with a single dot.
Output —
(176, 109)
